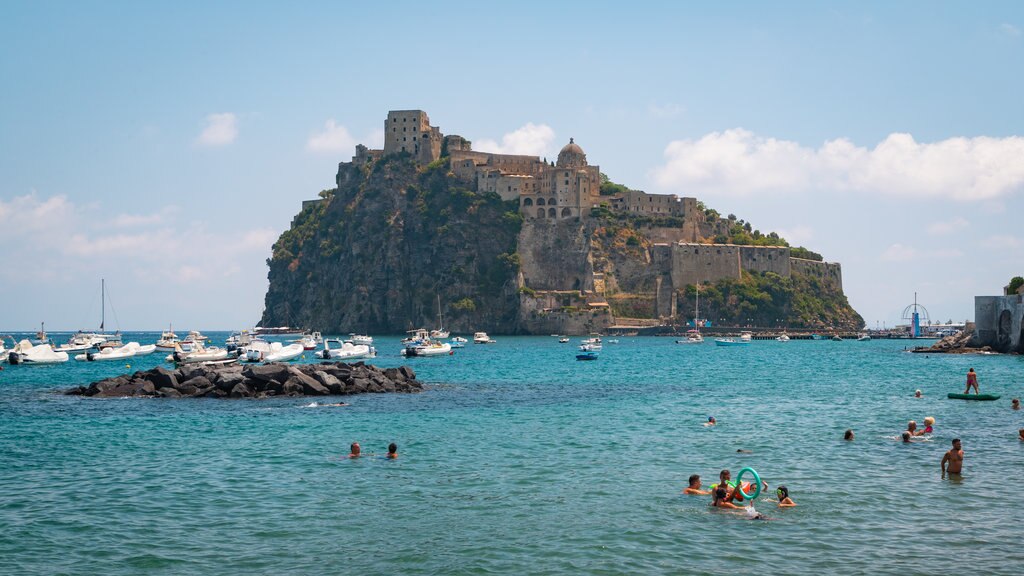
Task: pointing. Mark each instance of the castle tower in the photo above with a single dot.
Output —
(410, 131)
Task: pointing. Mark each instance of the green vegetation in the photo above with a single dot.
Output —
(609, 188)
(769, 300)
(801, 252)
(465, 305)
(1015, 283)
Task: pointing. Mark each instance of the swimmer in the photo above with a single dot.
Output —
(972, 381)
(1015, 403)
(953, 461)
(694, 487)
(912, 428)
(784, 500)
(392, 451)
(355, 450)
(917, 393)
(711, 421)
(928, 421)
(906, 437)
(742, 451)
(720, 500)
(1020, 433)
(848, 435)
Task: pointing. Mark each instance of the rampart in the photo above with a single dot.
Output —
(999, 322)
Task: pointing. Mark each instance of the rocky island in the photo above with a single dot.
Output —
(515, 244)
(258, 381)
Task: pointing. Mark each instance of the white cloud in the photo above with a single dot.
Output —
(333, 138)
(531, 139)
(26, 214)
(664, 110)
(900, 253)
(1003, 241)
(741, 163)
(220, 130)
(135, 220)
(1010, 30)
(944, 228)
(797, 236)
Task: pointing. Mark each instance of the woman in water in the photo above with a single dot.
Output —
(784, 500)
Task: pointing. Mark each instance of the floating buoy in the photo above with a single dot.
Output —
(128, 366)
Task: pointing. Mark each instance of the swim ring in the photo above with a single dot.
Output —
(757, 482)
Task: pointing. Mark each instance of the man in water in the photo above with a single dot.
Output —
(1015, 403)
(392, 451)
(848, 435)
(912, 428)
(355, 450)
(694, 487)
(917, 393)
(953, 460)
(972, 381)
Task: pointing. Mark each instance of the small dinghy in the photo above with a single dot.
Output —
(587, 356)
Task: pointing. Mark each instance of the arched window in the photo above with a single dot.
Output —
(540, 201)
(566, 212)
(552, 213)
(528, 202)
(540, 212)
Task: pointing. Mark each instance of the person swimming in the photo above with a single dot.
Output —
(711, 421)
(355, 450)
(1015, 403)
(784, 500)
(917, 393)
(906, 437)
(694, 487)
(928, 421)
(392, 451)
(848, 435)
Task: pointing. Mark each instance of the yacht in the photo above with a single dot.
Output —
(863, 336)
(482, 338)
(361, 339)
(692, 337)
(168, 340)
(782, 337)
(746, 336)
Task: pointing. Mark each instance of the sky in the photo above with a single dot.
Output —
(163, 146)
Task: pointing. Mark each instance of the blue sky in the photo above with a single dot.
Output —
(164, 146)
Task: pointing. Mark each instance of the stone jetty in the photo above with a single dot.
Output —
(255, 381)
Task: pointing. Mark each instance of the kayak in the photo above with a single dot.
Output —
(953, 396)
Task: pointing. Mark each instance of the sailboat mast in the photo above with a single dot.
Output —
(103, 303)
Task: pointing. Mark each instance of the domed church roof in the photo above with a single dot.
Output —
(572, 156)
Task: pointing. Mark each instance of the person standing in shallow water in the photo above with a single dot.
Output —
(392, 451)
(953, 461)
(972, 381)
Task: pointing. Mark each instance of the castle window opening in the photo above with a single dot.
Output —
(552, 213)
(540, 201)
(566, 213)
(540, 211)
(528, 202)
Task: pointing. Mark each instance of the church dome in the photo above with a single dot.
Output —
(572, 156)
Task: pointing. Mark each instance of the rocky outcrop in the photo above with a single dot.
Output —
(963, 343)
(259, 381)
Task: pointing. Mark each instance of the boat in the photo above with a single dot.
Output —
(427, 348)
(587, 356)
(285, 353)
(142, 350)
(459, 340)
(590, 347)
(418, 335)
(41, 337)
(440, 333)
(782, 337)
(817, 337)
(983, 397)
(836, 338)
(563, 340)
(168, 340)
(3, 350)
(81, 342)
(336, 349)
(458, 343)
(310, 341)
(361, 339)
(257, 349)
(482, 338)
(613, 341)
(25, 352)
(746, 336)
(731, 342)
(692, 337)
(107, 354)
(863, 336)
(198, 354)
(195, 337)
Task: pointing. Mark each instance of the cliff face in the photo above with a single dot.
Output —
(377, 253)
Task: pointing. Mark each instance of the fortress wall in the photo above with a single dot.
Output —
(999, 322)
(693, 263)
(830, 272)
(555, 255)
(765, 259)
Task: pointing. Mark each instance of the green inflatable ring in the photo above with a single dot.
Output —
(757, 483)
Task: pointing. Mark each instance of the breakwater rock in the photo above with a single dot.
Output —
(256, 381)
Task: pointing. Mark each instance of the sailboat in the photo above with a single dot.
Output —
(693, 336)
(440, 332)
(85, 341)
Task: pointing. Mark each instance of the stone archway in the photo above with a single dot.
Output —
(528, 202)
(552, 213)
(540, 201)
(566, 212)
(540, 212)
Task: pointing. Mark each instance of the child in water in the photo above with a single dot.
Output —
(784, 500)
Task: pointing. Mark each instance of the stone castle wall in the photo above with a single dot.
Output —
(999, 322)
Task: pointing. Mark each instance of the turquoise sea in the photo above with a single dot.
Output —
(520, 460)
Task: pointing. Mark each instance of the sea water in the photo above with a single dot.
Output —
(518, 459)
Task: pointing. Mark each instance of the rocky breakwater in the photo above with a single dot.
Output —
(261, 381)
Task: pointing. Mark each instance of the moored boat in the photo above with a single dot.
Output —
(25, 352)
(863, 336)
(482, 338)
(285, 354)
(335, 348)
(692, 337)
(731, 342)
(782, 337)
(198, 353)
(427, 348)
(361, 339)
(587, 356)
(108, 354)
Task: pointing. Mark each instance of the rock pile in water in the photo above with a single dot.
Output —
(258, 381)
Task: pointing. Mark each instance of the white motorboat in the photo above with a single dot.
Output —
(285, 354)
(4, 351)
(81, 342)
(199, 353)
(782, 337)
(195, 337)
(361, 339)
(731, 342)
(168, 340)
(863, 336)
(482, 338)
(746, 336)
(25, 352)
(106, 354)
(336, 349)
(418, 335)
(460, 340)
(308, 342)
(590, 347)
(257, 349)
(836, 338)
(142, 350)
(692, 337)
(563, 340)
(427, 348)
(41, 337)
